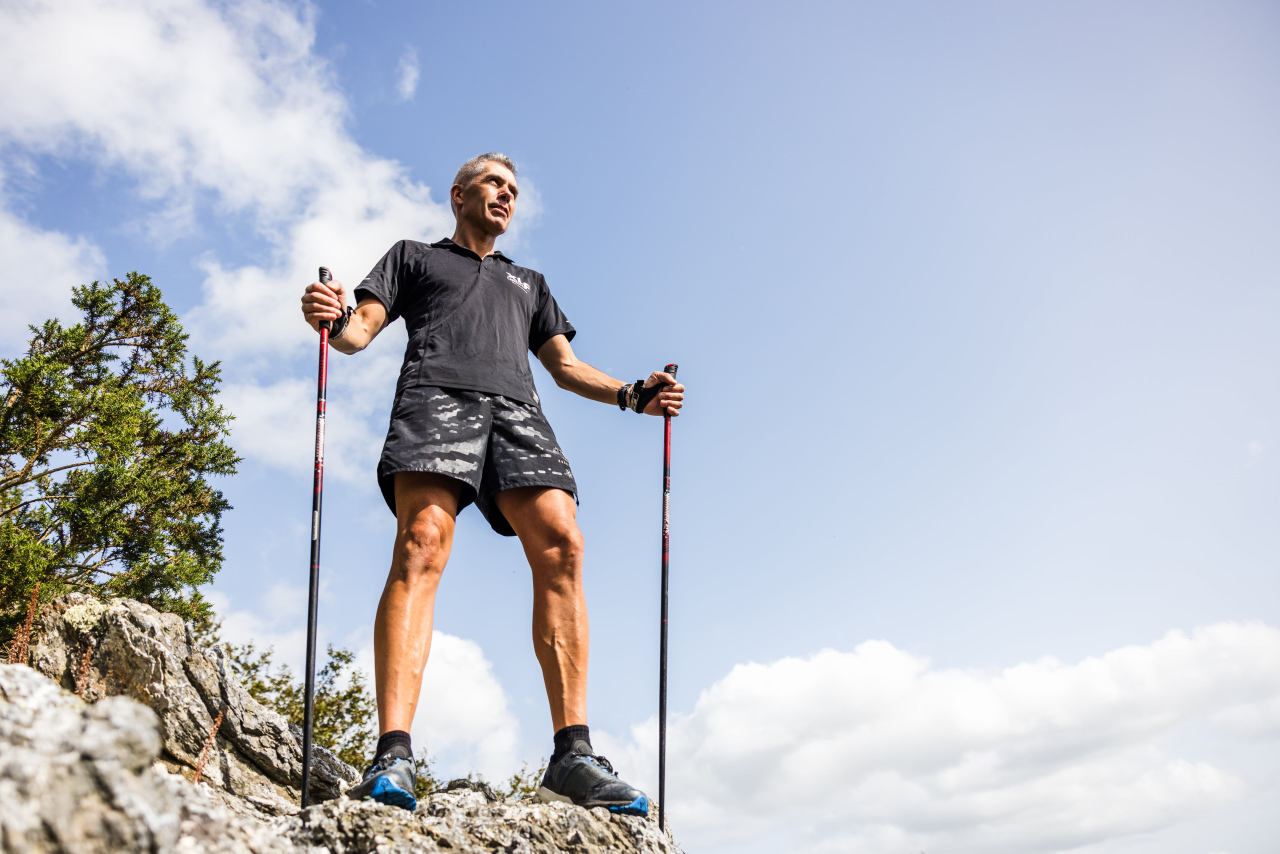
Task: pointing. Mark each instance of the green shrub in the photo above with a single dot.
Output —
(107, 437)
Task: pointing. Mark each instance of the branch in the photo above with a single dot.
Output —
(25, 476)
(8, 511)
(41, 446)
(57, 525)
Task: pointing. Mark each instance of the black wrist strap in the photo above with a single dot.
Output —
(640, 396)
(647, 395)
(622, 396)
(339, 326)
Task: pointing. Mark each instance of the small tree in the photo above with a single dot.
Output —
(106, 440)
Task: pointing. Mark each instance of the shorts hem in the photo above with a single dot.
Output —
(487, 504)
(534, 480)
(387, 484)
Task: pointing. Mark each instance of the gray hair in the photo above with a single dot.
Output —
(473, 167)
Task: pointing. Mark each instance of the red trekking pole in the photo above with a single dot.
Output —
(308, 708)
(662, 654)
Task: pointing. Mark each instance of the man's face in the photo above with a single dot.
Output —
(489, 201)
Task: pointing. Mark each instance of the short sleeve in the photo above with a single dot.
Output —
(383, 281)
(548, 321)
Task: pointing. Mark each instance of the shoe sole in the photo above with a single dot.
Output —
(640, 806)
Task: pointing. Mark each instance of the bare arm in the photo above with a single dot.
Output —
(327, 302)
(575, 375)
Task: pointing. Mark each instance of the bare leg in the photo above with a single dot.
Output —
(544, 519)
(426, 505)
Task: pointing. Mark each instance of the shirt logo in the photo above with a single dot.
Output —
(515, 280)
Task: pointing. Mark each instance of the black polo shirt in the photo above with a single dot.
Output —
(470, 320)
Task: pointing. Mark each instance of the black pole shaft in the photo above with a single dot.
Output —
(662, 653)
(308, 708)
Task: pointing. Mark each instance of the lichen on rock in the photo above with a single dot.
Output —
(85, 616)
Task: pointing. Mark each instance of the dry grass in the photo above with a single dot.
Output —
(208, 745)
(82, 677)
(21, 640)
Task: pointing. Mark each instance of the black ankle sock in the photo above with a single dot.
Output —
(388, 740)
(565, 738)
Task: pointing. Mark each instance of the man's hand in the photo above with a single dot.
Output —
(323, 302)
(329, 301)
(669, 400)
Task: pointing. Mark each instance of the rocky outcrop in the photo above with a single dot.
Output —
(111, 773)
(126, 648)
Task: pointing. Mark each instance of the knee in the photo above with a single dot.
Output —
(564, 547)
(422, 548)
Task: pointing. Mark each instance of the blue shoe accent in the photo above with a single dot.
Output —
(387, 792)
(640, 806)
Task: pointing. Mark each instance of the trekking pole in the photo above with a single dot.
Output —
(662, 654)
(308, 708)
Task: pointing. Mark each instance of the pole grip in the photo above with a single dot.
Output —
(671, 369)
(325, 278)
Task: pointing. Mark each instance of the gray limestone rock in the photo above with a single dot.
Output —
(138, 652)
(112, 772)
(83, 778)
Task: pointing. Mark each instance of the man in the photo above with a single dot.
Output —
(467, 427)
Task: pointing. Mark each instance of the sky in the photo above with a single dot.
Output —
(974, 497)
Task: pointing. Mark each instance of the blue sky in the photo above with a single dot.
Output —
(973, 535)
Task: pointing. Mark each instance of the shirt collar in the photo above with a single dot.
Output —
(446, 243)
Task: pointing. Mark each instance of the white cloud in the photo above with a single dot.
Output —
(40, 269)
(407, 74)
(1260, 720)
(279, 623)
(276, 420)
(226, 102)
(875, 751)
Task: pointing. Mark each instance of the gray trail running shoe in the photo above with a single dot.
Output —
(590, 781)
(389, 780)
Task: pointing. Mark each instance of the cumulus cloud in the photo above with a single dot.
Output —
(221, 104)
(276, 421)
(278, 623)
(875, 751)
(40, 269)
(407, 74)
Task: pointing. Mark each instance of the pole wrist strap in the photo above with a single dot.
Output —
(339, 327)
(640, 396)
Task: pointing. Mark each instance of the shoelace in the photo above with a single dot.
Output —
(603, 763)
(384, 762)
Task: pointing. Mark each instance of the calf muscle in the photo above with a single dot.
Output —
(544, 520)
(426, 505)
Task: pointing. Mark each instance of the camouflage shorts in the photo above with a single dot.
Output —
(488, 442)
